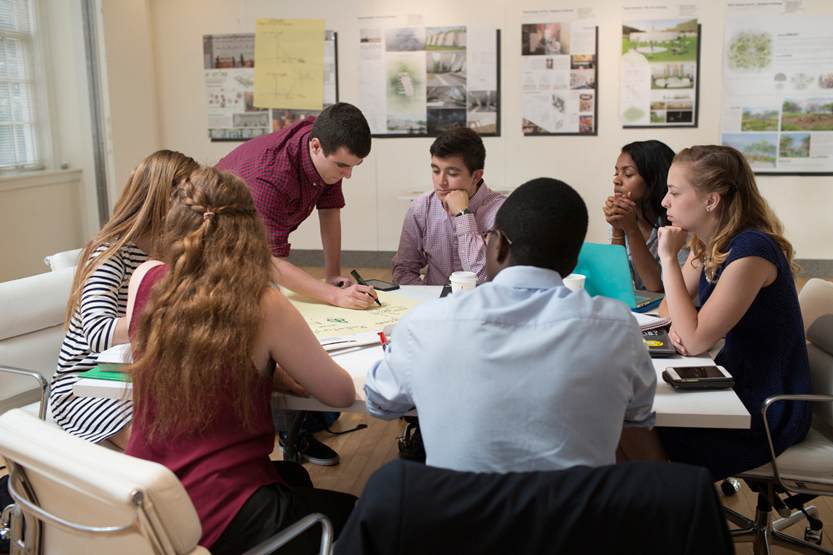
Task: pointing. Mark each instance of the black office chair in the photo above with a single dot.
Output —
(805, 469)
(637, 507)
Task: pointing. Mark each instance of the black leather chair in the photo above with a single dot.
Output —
(637, 507)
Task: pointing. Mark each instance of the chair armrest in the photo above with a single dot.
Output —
(284, 536)
(45, 516)
(42, 382)
(764, 408)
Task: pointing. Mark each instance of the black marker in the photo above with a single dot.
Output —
(359, 279)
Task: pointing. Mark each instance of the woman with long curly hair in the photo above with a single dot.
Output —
(208, 331)
(95, 314)
(741, 265)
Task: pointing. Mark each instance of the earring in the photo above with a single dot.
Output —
(708, 209)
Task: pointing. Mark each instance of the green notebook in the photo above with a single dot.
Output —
(99, 374)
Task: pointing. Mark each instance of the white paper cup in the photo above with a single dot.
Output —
(574, 282)
(463, 281)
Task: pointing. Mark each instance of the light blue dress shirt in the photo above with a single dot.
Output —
(519, 375)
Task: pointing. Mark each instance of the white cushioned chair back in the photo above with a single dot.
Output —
(31, 326)
(816, 301)
(61, 260)
(816, 298)
(92, 486)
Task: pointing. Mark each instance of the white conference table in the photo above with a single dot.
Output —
(682, 409)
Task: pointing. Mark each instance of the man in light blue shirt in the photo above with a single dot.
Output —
(520, 374)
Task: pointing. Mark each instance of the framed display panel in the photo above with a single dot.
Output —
(660, 73)
(229, 66)
(421, 81)
(559, 78)
(777, 107)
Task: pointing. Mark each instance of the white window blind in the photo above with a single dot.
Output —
(22, 116)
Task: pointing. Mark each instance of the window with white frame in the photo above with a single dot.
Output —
(22, 115)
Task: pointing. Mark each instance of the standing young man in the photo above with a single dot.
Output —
(442, 228)
(290, 172)
(533, 376)
(294, 170)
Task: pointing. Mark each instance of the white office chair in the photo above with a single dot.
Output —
(31, 332)
(61, 260)
(807, 467)
(78, 497)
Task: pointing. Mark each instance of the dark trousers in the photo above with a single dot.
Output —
(274, 507)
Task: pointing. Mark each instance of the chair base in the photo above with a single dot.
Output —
(763, 534)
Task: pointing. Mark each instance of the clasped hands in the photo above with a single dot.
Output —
(620, 213)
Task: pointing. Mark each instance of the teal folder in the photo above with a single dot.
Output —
(99, 374)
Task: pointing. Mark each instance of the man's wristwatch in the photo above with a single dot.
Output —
(463, 211)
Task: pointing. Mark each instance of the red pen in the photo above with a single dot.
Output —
(383, 339)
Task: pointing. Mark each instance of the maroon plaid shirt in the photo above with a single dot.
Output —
(283, 181)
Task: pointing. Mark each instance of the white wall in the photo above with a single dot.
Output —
(154, 98)
(128, 77)
(373, 216)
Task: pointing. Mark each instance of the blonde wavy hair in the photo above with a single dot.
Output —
(196, 333)
(141, 208)
(725, 171)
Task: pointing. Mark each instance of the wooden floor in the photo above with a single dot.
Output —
(363, 451)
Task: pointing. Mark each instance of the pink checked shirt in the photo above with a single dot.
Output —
(432, 237)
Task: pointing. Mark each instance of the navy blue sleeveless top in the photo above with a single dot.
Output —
(766, 354)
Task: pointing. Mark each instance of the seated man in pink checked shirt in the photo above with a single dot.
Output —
(443, 227)
(292, 171)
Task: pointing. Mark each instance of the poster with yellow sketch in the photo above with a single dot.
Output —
(327, 320)
(289, 63)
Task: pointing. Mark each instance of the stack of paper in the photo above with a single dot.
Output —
(647, 322)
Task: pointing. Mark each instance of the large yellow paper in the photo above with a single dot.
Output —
(327, 320)
(289, 63)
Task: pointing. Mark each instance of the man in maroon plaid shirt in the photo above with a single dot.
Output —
(294, 170)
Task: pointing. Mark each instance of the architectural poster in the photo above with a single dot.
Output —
(229, 66)
(659, 85)
(559, 72)
(778, 92)
(420, 81)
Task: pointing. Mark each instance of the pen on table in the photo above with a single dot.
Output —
(359, 279)
(383, 339)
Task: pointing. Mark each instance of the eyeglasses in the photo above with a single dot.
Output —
(485, 236)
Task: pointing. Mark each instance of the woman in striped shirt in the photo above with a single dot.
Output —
(95, 319)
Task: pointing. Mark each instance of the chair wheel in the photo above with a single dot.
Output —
(729, 487)
(813, 536)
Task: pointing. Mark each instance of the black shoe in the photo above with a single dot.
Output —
(310, 449)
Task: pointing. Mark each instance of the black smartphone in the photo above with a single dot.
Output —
(698, 377)
(446, 290)
(381, 285)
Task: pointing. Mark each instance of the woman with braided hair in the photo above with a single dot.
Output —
(212, 339)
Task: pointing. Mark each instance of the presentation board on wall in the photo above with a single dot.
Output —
(559, 72)
(421, 81)
(660, 67)
(778, 92)
(229, 66)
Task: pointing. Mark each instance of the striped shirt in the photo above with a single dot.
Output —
(103, 302)
(283, 180)
(446, 244)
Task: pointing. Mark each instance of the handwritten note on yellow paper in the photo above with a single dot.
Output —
(327, 320)
(289, 63)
